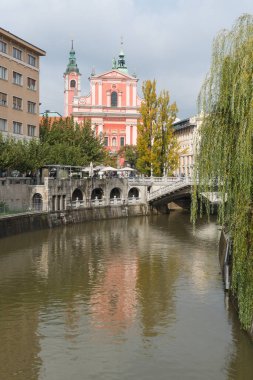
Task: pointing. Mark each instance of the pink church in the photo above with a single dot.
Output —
(112, 105)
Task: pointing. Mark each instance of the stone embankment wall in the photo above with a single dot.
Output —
(36, 221)
(226, 262)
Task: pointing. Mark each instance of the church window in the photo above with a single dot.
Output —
(73, 83)
(114, 99)
(114, 141)
(106, 141)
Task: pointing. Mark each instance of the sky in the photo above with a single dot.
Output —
(166, 40)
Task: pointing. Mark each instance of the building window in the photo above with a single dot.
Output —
(17, 103)
(3, 47)
(73, 83)
(17, 78)
(3, 125)
(17, 53)
(114, 141)
(3, 99)
(31, 130)
(106, 141)
(122, 141)
(31, 107)
(17, 127)
(31, 60)
(114, 99)
(3, 73)
(31, 84)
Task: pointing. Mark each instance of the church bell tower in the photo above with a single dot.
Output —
(72, 82)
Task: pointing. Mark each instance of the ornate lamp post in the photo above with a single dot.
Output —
(151, 145)
(164, 142)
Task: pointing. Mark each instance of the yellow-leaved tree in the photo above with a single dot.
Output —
(157, 147)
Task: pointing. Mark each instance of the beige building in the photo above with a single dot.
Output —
(19, 86)
(186, 132)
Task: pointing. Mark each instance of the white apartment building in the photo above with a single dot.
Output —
(186, 132)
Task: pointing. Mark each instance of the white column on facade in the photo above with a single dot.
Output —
(128, 134)
(134, 95)
(127, 95)
(93, 94)
(66, 103)
(66, 95)
(120, 99)
(79, 86)
(100, 129)
(108, 98)
(100, 93)
(134, 142)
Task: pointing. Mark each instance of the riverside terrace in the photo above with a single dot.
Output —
(63, 187)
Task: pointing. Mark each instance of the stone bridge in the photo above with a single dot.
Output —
(178, 192)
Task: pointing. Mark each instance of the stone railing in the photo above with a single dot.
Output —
(16, 181)
(176, 185)
(102, 202)
(149, 181)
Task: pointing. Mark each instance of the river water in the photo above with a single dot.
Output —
(138, 298)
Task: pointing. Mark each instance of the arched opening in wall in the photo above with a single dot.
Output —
(114, 141)
(115, 193)
(114, 99)
(77, 193)
(149, 188)
(72, 83)
(97, 193)
(133, 193)
(37, 202)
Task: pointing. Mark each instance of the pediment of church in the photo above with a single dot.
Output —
(113, 74)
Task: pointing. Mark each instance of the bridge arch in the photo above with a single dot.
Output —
(77, 193)
(97, 193)
(134, 192)
(115, 193)
(37, 202)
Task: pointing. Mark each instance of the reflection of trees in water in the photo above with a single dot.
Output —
(155, 287)
(20, 346)
(239, 362)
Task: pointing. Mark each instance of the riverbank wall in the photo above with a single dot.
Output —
(20, 223)
(226, 264)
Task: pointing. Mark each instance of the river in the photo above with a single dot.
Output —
(138, 298)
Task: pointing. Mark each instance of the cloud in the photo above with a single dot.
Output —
(167, 40)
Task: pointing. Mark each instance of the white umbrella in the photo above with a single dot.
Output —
(98, 167)
(86, 169)
(127, 169)
(108, 169)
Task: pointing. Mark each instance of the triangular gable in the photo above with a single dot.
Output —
(113, 74)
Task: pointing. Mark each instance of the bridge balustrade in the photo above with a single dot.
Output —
(168, 189)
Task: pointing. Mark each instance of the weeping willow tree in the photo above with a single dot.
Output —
(224, 160)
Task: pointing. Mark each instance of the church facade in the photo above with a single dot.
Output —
(112, 105)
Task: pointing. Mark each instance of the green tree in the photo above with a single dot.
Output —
(71, 143)
(145, 135)
(225, 156)
(157, 146)
(129, 153)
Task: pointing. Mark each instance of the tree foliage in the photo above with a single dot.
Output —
(71, 143)
(62, 142)
(157, 146)
(130, 154)
(225, 155)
